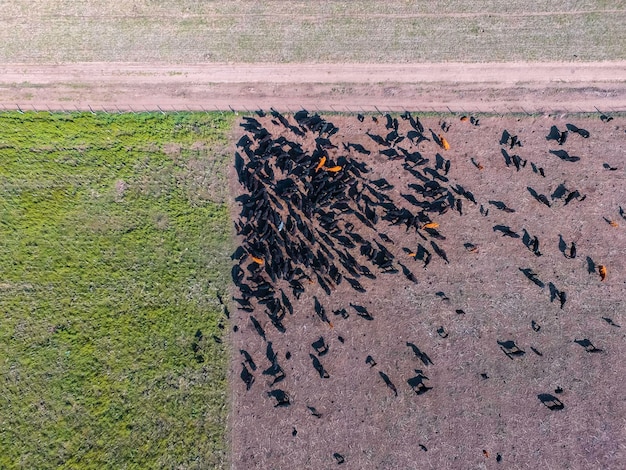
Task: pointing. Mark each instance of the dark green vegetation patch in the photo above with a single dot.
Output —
(114, 242)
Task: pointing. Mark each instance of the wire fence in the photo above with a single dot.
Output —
(499, 109)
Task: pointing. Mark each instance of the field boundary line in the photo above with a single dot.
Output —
(330, 109)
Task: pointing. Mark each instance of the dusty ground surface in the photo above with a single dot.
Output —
(483, 410)
(488, 87)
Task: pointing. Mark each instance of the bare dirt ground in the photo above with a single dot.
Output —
(490, 87)
(483, 410)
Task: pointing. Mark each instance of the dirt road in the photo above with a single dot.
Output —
(501, 87)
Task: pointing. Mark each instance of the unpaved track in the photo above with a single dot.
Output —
(501, 87)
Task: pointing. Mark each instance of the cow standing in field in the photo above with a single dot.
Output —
(443, 143)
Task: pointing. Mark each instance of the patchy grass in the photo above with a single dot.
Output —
(182, 31)
(113, 250)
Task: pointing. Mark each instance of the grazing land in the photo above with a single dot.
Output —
(114, 244)
(116, 232)
(407, 306)
(184, 31)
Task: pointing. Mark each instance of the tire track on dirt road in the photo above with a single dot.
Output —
(477, 14)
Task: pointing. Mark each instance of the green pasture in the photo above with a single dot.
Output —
(115, 239)
(186, 31)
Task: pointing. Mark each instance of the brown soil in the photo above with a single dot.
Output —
(466, 420)
(508, 87)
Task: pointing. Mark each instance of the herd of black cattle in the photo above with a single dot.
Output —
(295, 228)
(305, 219)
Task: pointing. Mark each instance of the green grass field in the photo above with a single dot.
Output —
(186, 31)
(115, 239)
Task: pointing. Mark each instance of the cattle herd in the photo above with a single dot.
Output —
(315, 219)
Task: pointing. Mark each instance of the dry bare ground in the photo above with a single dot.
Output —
(488, 87)
(485, 407)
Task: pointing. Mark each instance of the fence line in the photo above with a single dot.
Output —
(499, 110)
